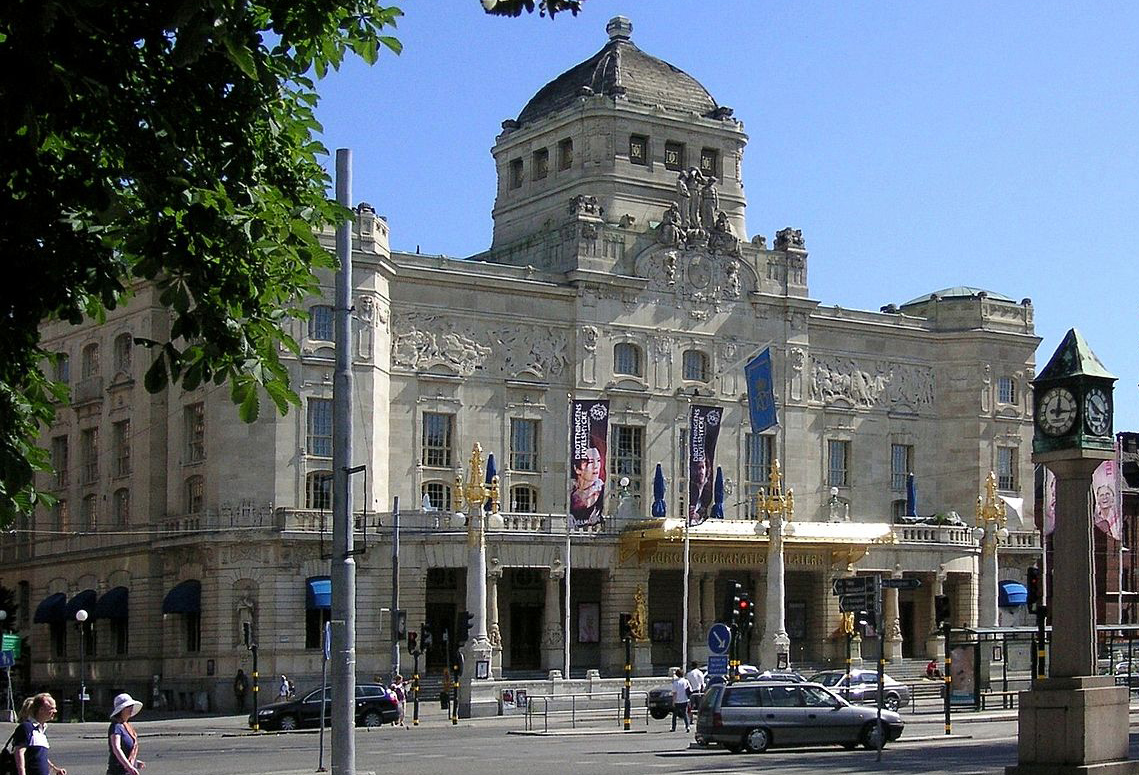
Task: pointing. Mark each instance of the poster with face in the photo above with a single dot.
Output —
(703, 432)
(588, 434)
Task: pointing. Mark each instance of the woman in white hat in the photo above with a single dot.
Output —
(122, 740)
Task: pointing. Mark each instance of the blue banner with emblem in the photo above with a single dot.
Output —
(760, 392)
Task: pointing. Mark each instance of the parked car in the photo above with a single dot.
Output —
(374, 707)
(862, 687)
(756, 715)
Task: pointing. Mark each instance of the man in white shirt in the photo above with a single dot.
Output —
(680, 691)
(695, 678)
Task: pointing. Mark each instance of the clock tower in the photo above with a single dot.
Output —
(1072, 404)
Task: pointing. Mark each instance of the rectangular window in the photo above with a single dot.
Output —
(315, 619)
(195, 432)
(59, 639)
(627, 459)
(60, 455)
(321, 325)
(901, 465)
(540, 163)
(319, 442)
(838, 463)
(120, 631)
(710, 162)
(193, 624)
(437, 429)
(89, 449)
(638, 149)
(565, 154)
(757, 469)
(122, 507)
(121, 439)
(195, 494)
(63, 368)
(90, 513)
(674, 156)
(516, 173)
(1006, 468)
(523, 500)
(524, 445)
(1006, 390)
(438, 495)
(62, 515)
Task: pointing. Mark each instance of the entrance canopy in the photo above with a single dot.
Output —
(113, 604)
(51, 609)
(186, 598)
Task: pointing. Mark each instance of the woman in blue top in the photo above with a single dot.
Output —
(122, 740)
(29, 741)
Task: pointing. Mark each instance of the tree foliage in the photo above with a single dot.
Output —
(170, 142)
(516, 7)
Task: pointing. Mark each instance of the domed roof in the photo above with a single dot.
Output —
(957, 292)
(622, 69)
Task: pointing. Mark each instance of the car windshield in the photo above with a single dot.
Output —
(827, 679)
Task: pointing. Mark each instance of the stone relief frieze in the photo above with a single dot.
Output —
(422, 340)
(696, 279)
(840, 379)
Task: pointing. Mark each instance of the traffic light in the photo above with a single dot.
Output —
(735, 595)
(400, 624)
(466, 619)
(427, 639)
(941, 610)
(863, 619)
(626, 627)
(412, 641)
(746, 612)
(1032, 583)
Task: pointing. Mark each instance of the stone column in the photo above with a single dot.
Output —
(935, 641)
(775, 638)
(494, 634)
(553, 637)
(892, 619)
(987, 612)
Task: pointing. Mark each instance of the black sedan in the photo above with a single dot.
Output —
(374, 707)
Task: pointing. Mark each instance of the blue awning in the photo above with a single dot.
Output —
(84, 600)
(186, 598)
(113, 604)
(51, 609)
(1012, 594)
(318, 593)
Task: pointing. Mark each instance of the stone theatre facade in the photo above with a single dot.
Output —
(621, 267)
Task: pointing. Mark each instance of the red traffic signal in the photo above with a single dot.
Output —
(412, 641)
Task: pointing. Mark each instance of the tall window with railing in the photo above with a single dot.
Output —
(121, 442)
(195, 494)
(1006, 468)
(901, 464)
(318, 490)
(90, 513)
(757, 469)
(122, 507)
(838, 463)
(89, 449)
(626, 458)
(60, 460)
(437, 431)
(319, 442)
(523, 444)
(195, 430)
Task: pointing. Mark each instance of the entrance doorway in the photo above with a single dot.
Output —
(441, 624)
(525, 636)
(910, 641)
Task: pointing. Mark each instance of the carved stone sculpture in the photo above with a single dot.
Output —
(789, 239)
(709, 203)
(721, 239)
(669, 231)
(683, 197)
(640, 618)
(584, 205)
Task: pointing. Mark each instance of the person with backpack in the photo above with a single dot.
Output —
(399, 691)
(122, 739)
(29, 741)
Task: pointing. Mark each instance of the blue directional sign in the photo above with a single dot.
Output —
(718, 664)
(7, 659)
(719, 638)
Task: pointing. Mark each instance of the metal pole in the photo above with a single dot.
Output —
(628, 683)
(566, 639)
(684, 612)
(325, 644)
(948, 678)
(415, 687)
(881, 660)
(395, 586)
(256, 688)
(343, 563)
(82, 673)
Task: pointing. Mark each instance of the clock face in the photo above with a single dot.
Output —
(1097, 412)
(1056, 412)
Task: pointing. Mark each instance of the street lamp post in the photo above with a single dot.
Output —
(990, 531)
(81, 618)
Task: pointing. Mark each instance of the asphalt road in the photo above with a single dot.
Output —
(213, 745)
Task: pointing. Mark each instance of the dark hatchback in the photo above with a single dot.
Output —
(374, 707)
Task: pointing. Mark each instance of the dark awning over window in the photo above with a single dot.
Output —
(85, 601)
(52, 608)
(318, 593)
(186, 598)
(1012, 594)
(113, 604)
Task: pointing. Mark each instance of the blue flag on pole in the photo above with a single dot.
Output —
(760, 393)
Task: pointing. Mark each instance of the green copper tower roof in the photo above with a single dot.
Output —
(1073, 358)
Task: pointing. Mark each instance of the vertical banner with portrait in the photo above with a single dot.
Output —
(703, 432)
(1108, 501)
(588, 434)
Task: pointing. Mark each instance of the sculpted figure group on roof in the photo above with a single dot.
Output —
(696, 218)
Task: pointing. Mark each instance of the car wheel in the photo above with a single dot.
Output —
(658, 714)
(872, 733)
(891, 702)
(372, 719)
(288, 723)
(757, 740)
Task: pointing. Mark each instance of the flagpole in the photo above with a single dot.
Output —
(687, 521)
(569, 520)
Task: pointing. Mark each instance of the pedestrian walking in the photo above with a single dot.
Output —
(283, 692)
(29, 741)
(399, 691)
(695, 678)
(122, 739)
(681, 691)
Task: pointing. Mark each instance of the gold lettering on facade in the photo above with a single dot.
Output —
(729, 558)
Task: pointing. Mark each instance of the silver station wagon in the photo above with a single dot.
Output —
(754, 716)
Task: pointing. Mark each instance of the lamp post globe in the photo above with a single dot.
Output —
(81, 618)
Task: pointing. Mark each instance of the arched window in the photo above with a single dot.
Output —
(90, 513)
(627, 359)
(122, 503)
(91, 360)
(523, 499)
(439, 494)
(124, 344)
(195, 494)
(320, 323)
(696, 366)
(318, 490)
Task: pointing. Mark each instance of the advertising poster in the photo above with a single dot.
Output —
(589, 432)
(703, 432)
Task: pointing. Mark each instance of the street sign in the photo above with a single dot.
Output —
(11, 643)
(901, 583)
(719, 638)
(861, 602)
(852, 585)
(7, 659)
(718, 664)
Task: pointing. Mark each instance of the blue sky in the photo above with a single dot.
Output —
(918, 145)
